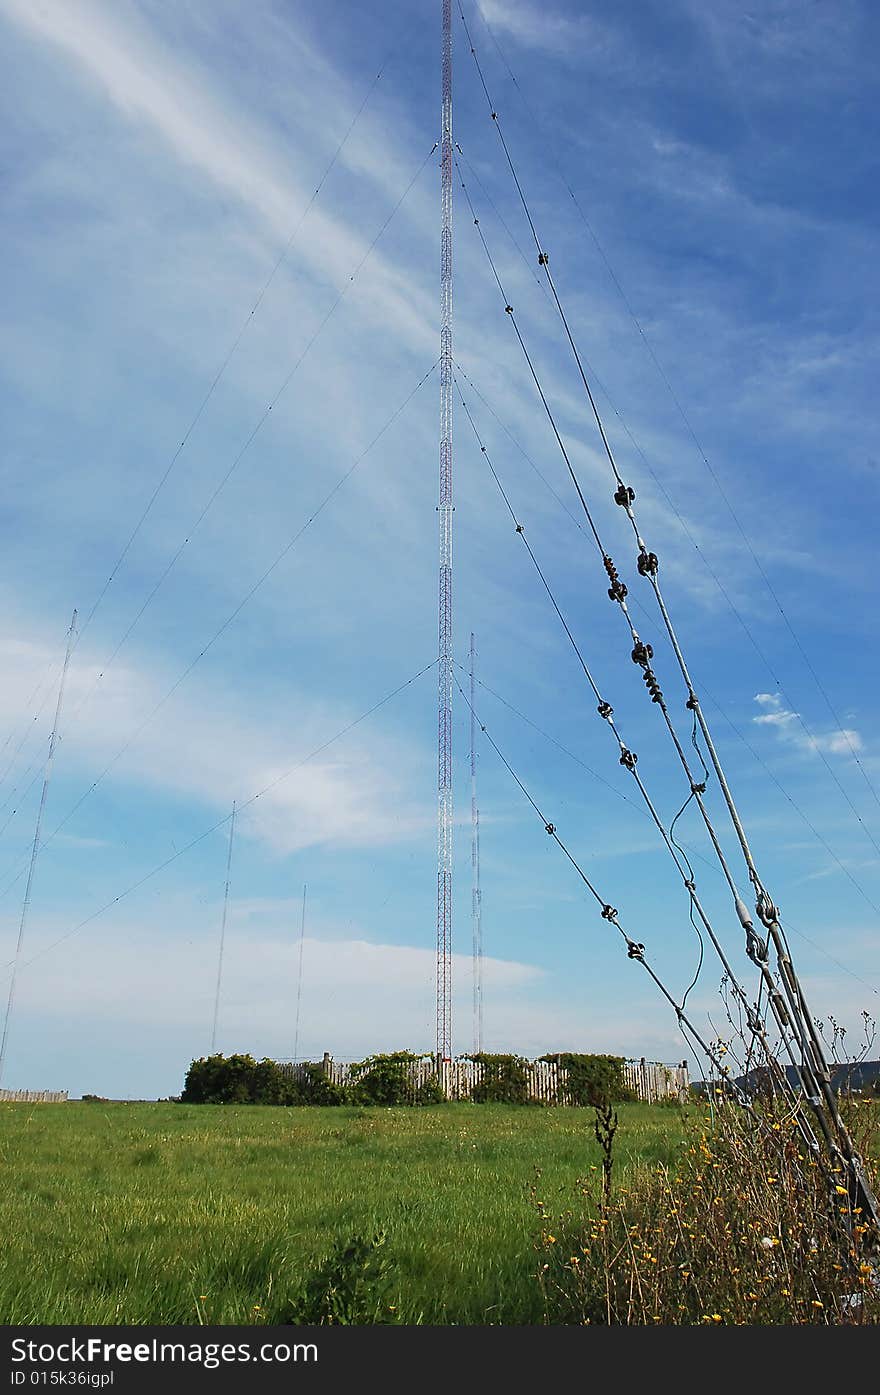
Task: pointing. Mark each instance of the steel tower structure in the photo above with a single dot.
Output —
(476, 893)
(444, 510)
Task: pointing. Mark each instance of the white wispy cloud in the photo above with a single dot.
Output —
(844, 741)
(213, 751)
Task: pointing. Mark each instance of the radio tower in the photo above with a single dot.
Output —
(444, 510)
(476, 893)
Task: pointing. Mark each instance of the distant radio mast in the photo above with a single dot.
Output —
(476, 893)
(444, 510)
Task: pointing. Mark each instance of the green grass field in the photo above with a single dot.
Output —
(168, 1213)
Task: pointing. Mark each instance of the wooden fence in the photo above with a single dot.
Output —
(33, 1096)
(546, 1081)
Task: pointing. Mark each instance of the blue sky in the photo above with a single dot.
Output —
(156, 161)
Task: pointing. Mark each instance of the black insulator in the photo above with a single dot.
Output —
(642, 653)
(699, 789)
(508, 309)
(605, 710)
(652, 685)
(617, 589)
(647, 564)
(628, 758)
(543, 259)
(635, 951)
(692, 703)
(551, 828)
(609, 912)
(624, 496)
(519, 527)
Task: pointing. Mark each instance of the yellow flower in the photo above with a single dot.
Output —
(551, 1239)
(841, 1191)
(817, 1304)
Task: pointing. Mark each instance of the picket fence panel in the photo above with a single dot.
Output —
(649, 1080)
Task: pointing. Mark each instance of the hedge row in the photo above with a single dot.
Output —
(387, 1080)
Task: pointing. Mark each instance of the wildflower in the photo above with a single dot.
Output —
(771, 1180)
(203, 1297)
(817, 1304)
(551, 1239)
(841, 1191)
(768, 1241)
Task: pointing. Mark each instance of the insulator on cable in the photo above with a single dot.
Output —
(551, 828)
(605, 710)
(647, 564)
(698, 788)
(508, 309)
(543, 259)
(635, 951)
(642, 653)
(652, 685)
(519, 528)
(628, 758)
(617, 589)
(624, 496)
(609, 912)
(692, 703)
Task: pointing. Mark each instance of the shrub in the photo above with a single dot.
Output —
(593, 1080)
(388, 1079)
(238, 1080)
(504, 1080)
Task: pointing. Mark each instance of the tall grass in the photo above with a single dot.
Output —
(745, 1230)
(165, 1213)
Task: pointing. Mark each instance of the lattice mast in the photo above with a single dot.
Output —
(445, 663)
(476, 892)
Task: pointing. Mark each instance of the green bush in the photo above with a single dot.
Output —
(504, 1080)
(388, 1080)
(237, 1079)
(593, 1080)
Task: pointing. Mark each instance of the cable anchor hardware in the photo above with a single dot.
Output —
(647, 563)
(624, 496)
(756, 948)
(698, 788)
(768, 914)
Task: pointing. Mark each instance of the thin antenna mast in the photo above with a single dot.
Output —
(476, 893)
(444, 510)
(223, 931)
(299, 984)
(36, 847)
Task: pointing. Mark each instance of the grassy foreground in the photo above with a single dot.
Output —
(168, 1213)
